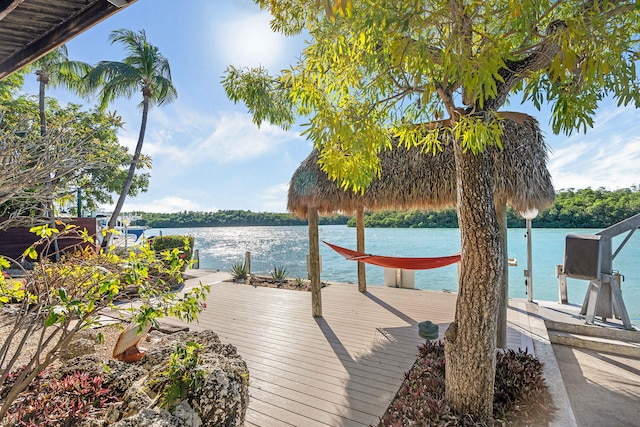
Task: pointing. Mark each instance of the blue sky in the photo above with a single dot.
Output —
(207, 154)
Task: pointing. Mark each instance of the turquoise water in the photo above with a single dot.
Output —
(221, 247)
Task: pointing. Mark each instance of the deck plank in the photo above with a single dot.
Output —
(340, 370)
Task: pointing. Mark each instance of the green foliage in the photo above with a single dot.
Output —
(521, 396)
(388, 67)
(584, 208)
(184, 374)
(228, 218)
(182, 244)
(64, 297)
(279, 273)
(55, 69)
(239, 271)
(299, 282)
(82, 151)
(589, 208)
(374, 66)
(53, 402)
(145, 68)
(9, 86)
(255, 85)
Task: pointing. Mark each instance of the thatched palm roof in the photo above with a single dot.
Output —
(412, 179)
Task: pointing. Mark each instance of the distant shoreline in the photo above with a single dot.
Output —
(572, 209)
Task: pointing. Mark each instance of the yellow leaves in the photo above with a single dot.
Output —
(397, 50)
(515, 6)
(30, 253)
(475, 134)
(43, 230)
(340, 7)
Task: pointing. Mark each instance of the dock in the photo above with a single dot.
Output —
(343, 369)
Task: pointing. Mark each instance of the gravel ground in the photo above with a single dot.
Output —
(102, 350)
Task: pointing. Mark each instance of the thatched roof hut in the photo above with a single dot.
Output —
(412, 179)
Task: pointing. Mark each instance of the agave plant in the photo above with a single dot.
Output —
(239, 271)
(279, 273)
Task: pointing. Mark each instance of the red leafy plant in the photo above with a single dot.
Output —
(521, 396)
(50, 402)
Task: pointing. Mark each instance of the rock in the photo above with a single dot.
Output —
(221, 399)
(120, 375)
(78, 347)
(89, 364)
(187, 415)
(83, 343)
(150, 417)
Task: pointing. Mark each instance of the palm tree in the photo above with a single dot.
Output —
(144, 69)
(55, 69)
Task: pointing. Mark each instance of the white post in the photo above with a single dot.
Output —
(529, 215)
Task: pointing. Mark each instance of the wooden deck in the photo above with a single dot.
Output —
(339, 370)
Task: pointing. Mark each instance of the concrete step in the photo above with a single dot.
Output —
(596, 331)
(605, 345)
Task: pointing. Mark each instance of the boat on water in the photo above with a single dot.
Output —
(129, 233)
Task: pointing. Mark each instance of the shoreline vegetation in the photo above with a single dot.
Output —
(584, 208)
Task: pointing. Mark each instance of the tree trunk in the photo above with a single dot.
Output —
(131, 174)
(47, 207)
(471, 339)
(362, 275)
(314, 263)
(41, 92)
(501, 333)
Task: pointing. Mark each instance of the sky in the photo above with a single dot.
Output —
(208, 155)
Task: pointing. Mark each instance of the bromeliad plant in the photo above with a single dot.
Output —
(56, 300)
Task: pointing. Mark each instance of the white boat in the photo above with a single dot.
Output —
(129, 234)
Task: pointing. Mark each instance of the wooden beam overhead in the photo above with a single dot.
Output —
(30, 29)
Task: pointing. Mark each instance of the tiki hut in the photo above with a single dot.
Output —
(520, 176)
(413, 179)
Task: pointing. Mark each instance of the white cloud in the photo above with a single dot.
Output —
(274, 198)
(596, 163)
(166, 204)
(189, 137)
(235, 138)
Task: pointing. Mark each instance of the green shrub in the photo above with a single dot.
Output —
(54, 301)
(239, 271)
(184, 244)
(183, 375)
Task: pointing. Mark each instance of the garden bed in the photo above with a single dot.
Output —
(269, 282)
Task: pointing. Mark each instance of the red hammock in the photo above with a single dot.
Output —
(396, 262)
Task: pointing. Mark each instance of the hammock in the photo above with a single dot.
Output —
(396, 262)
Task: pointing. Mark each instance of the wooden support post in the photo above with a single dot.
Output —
(247, 262)
(501, 331)
(362, 277)
(314, 263)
